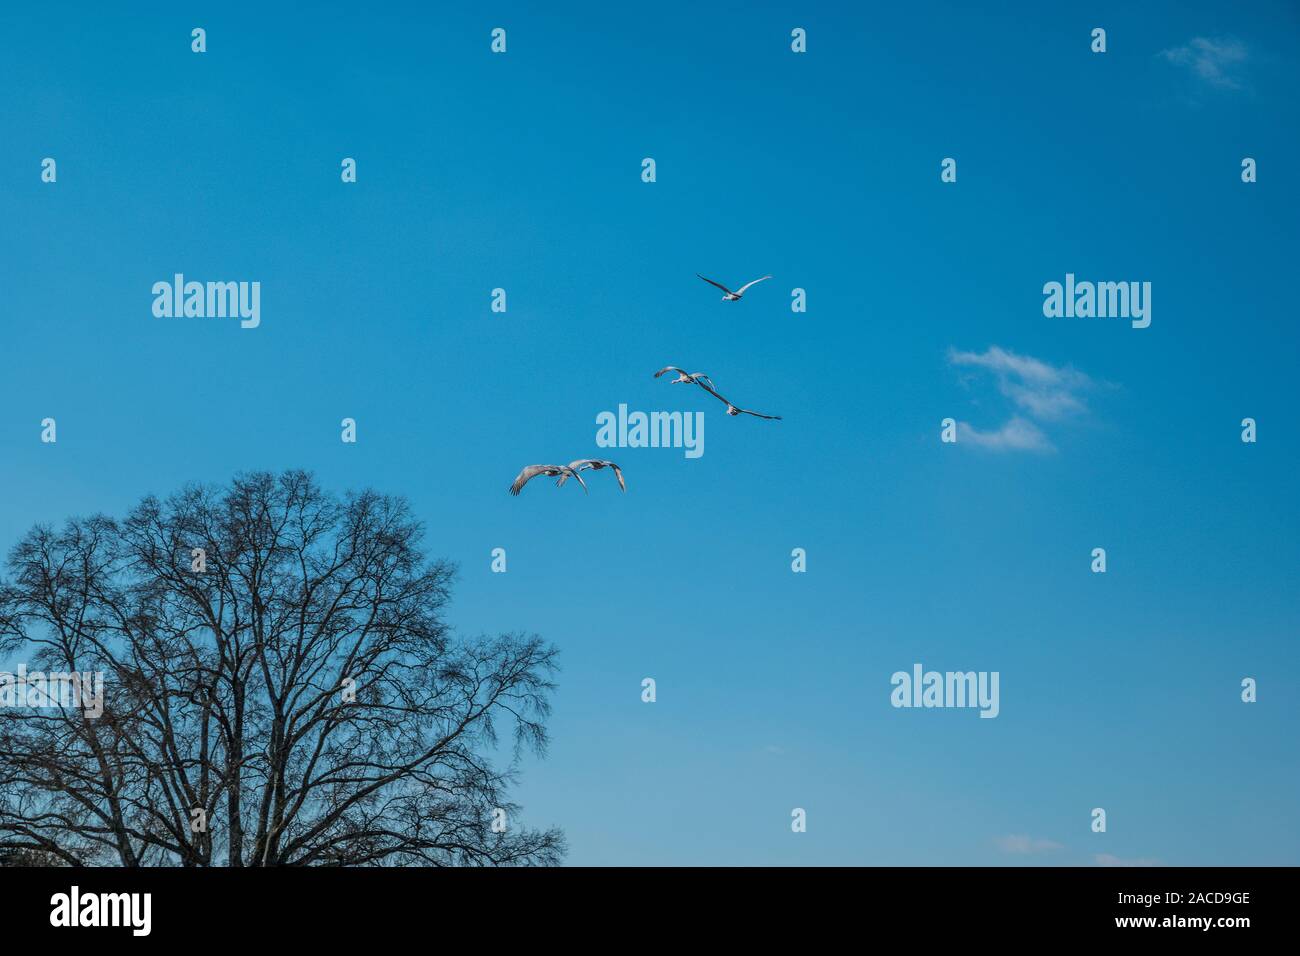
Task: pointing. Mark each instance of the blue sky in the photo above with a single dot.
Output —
(522, 171)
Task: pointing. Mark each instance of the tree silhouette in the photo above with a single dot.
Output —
(286, 694)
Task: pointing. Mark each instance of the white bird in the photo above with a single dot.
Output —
(703, 381)
(727, 294)
(532, 471)
(594, 464)
(690, 378)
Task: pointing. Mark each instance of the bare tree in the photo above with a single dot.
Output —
(279, 689)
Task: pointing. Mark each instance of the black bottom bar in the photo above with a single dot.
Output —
(329, 905)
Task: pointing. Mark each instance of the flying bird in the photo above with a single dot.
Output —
(690, 378)
(703, 381)
(727, 294)
(594, 464)
(532, 471)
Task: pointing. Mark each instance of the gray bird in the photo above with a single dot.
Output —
(727, 294)
(532, 471)
(594, 464)
(690, 378)
(703, 381)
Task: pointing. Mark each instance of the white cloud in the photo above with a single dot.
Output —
(1018, 434)
(1023, 843)
(1039, 390)
(1216, 61)
(1042, 390)
(1106, 859)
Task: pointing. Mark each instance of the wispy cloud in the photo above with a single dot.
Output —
(1018, 434)
(1038, 389)
(1042, 390)
(1106, 859)
(1024, 844)
(1216, 61)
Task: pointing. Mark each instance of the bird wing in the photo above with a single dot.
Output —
(741, 290)
(668, 368)
(575, 467)
(580, 481)
(530, 472)
(701, 379)
(618, 473)
(746, 411)
(718, 284)
(709, 388)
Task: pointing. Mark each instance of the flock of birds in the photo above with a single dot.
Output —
(564, 472)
